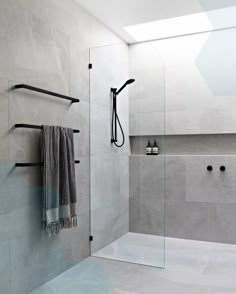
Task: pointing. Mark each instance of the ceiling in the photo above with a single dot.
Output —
(116, 14)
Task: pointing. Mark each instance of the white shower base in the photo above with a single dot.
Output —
(136, 248)
(170, 253)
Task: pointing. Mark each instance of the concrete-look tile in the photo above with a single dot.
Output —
(3, 119)
(100, 128)
(178, 122)
(189, 220)
(109, 199)
(146, 216)
(100, 35)
(83, 185)
(36, 258)
(110, 70)
(3, 56)
(210, 187)
(21, 210)
(79, 70)
(222, 226)
(143, 124)
(175, 178)
(37, 54)
(5, 267)
(147, 196)
(6, 203)
(68, 17)
(147, 68)
(148, 173)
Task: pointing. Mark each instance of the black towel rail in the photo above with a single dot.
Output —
(26, 164)
(35, 89)
(27, 126)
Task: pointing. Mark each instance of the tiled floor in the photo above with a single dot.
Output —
(192, 267)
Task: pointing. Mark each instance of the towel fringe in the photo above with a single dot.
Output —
(55, 227)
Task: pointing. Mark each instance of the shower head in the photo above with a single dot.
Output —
(130, 81)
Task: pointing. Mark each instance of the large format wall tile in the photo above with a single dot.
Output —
(36, 53)
(66, 16)
(101, 35)
(147, 100)
(5, 268)
(199, 204)
(110, 71)
(146, 186)
(223, 224)
(109, 199)
(79, 68)
(36, 258)
(214, 187)
(3, 119)
(189, 220)
(147, 123)
(83, 185)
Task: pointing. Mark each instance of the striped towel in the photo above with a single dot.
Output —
(58, 174)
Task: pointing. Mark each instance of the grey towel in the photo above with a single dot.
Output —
(58, 173)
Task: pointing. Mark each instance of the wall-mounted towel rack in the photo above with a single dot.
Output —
(36, 164)
(31, 88)
(27, 126)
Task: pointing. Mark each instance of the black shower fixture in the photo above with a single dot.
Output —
(115, 117)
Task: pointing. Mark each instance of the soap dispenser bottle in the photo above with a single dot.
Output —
(155, 149)
(148, 148)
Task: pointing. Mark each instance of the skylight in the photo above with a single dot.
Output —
(184, 25)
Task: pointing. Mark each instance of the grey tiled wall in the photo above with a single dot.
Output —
(46, 44)
(192, 124)
(199, 204)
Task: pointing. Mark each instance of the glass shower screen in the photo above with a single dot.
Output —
(127, 186)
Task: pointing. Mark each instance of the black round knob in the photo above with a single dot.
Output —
(209, 168)
(222, 168)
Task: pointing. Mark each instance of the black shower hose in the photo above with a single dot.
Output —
(115, 119)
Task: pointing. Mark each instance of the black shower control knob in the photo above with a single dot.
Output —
(222, 168)
(209, 168)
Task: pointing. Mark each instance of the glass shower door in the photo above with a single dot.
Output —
(127, 186)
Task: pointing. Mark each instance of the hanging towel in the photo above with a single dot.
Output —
(58, 174)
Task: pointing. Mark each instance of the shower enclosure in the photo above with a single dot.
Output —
(127, 187)
(153, 210)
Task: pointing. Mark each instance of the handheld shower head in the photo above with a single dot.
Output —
(115, 117)
(130, 81)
